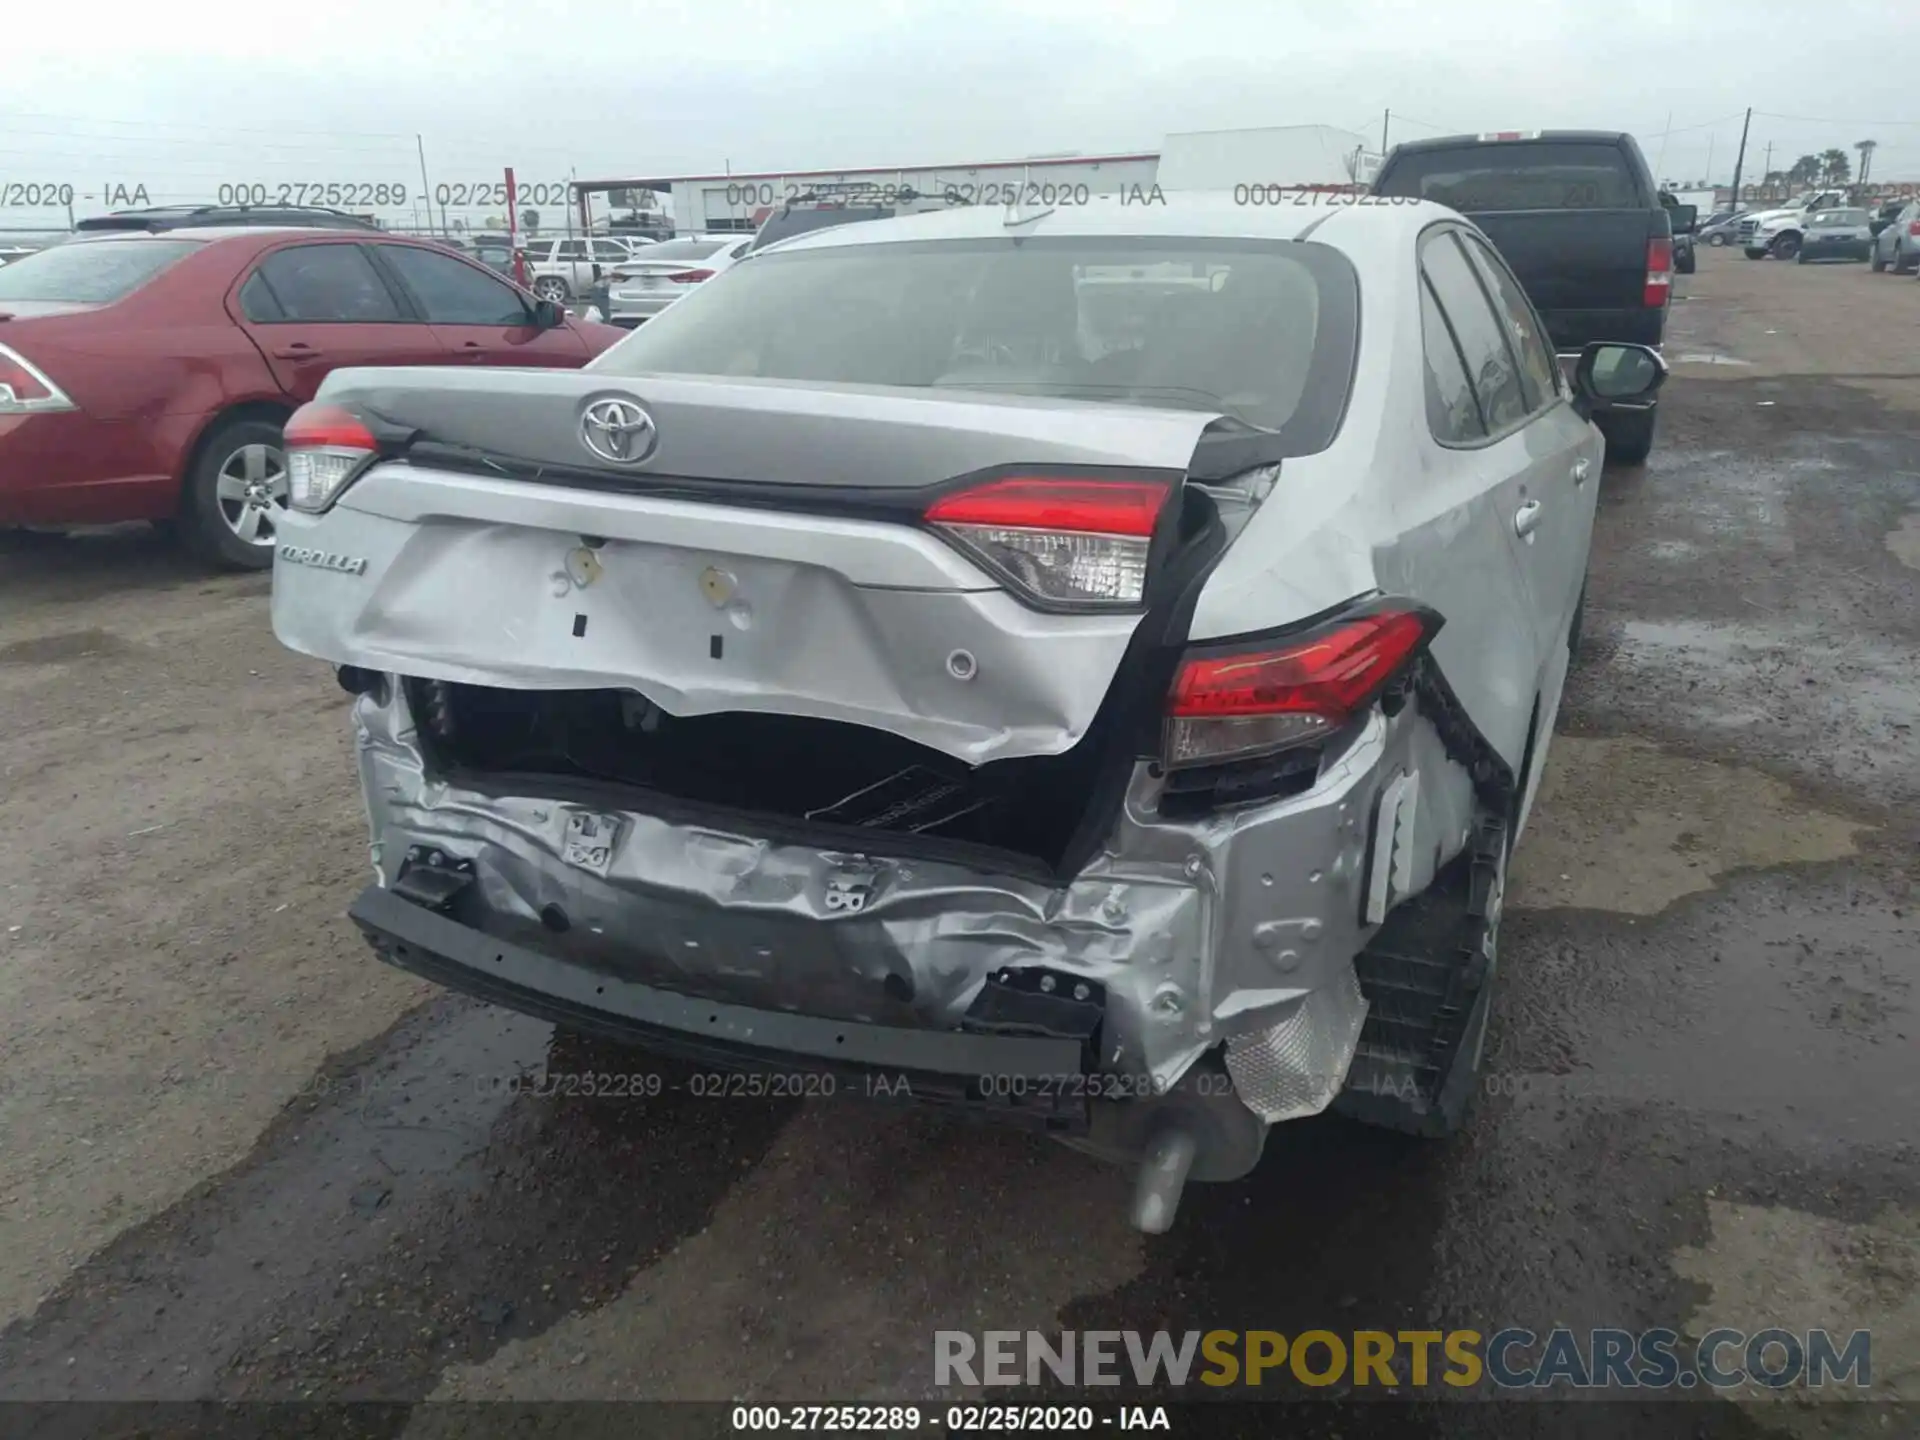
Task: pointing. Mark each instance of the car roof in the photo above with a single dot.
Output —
(1184, 214)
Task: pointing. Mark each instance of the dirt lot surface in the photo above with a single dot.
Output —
(242, 1161)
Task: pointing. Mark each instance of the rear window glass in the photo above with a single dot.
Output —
(679, 250)
(1841, 217)
(1258, 330)
(94, 272)
(1548, 175)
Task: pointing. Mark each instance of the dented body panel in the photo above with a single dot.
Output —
(1200, 932)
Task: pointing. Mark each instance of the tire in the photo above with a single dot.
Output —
(1753, 254)
(1799, 257)
(1785, 247)
(1684, 262)
(1629, 434)
(1876, 264)
(1901, 264)
(554, 288)
(1428, 976)
(1716, 240)
(234, 494)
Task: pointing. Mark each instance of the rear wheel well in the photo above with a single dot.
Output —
(271, 411)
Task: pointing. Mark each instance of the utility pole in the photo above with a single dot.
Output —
(426, 190)
(1740, 159)
(1385, 117)
(1768, 169)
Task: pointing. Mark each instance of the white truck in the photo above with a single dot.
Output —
(1777, 232)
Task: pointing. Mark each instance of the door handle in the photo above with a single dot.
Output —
(1527, 518)
(298, 350)
(1580, 469)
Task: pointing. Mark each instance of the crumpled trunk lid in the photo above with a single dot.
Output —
(765, 553)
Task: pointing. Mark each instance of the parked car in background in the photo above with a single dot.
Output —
(1577, 216)
(1777, 231)
(1683, 261)
(175, 217)
(1897, 243)
(1835, 235)
(146, 376)
(1126, 741)
(563, 268)
(1720, 228)
(654, 278)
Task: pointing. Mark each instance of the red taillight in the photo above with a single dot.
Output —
(1659, 272)
(1105, 507)
(1913, 227)
(1230, 706)
(1064, 541)
(327, 445)
(25, 388)
(691, 277)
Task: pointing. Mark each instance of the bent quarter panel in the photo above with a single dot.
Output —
(1451, 553)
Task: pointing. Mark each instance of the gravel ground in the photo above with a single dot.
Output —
(244, 1162)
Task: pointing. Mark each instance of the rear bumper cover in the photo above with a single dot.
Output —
(952, 1066)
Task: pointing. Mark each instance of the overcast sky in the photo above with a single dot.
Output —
(183, 97)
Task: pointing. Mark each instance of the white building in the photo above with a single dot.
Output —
(1289, 155)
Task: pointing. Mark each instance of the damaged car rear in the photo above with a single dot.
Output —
(1089, 666)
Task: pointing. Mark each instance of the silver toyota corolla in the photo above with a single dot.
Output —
(1086, 666)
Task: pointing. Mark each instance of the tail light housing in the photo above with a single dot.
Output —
(1251, 699)
(1659, 272)
(25, 388)
(1063, 542)
(327, 447)
(691, 277)
(1913, 227)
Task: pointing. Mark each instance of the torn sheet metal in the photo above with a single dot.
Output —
(1199, 932)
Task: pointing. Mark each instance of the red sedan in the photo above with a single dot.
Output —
(146, 376)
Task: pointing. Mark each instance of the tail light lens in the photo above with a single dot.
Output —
(327, 445)
(1913, 227)
(1232, 706)
(1067, 542)
(1659, 272)
(24, 387)
(691, 277)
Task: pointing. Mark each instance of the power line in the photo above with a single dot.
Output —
(1830, 120)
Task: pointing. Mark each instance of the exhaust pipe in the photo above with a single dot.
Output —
(1163, 1176)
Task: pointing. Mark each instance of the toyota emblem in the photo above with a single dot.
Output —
(619, 430)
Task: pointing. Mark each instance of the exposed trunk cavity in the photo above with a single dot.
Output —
(821, 774)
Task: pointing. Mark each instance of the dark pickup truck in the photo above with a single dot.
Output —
(1578, 217)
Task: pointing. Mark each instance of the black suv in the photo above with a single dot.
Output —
(176, 217)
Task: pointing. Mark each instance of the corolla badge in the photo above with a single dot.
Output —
(617, 429)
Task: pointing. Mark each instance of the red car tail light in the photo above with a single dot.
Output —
(1913, 227)
(327, 445)
(1253, 701)
(1064, 541)
(1659, 272)
(25, 388)
(691, 277)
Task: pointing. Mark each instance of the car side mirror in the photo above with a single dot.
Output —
(1685, 218)
(548, 315)
(1614, 376)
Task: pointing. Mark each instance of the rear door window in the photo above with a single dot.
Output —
(1453, 414)
(328, 283)
(90, 272)
(452, 292)
(1479, 330)
(1539, 371)
(1518, 175)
